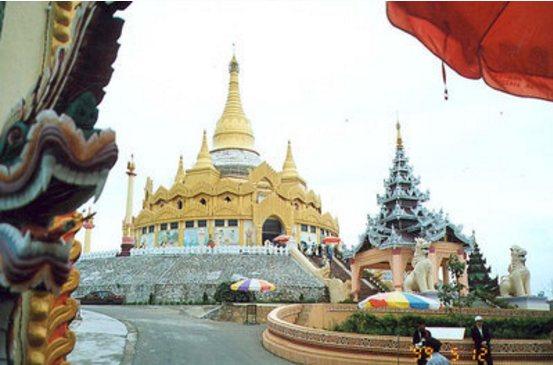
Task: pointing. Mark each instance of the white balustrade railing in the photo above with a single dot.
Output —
(98, 255)
(217, 250)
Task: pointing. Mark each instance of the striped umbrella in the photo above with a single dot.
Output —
(253, 285)
(398, 299)
(282, 238)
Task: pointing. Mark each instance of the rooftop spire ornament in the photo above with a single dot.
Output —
(399, 139)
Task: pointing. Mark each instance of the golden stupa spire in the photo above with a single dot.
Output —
(180, 172)
(399, 139)
(204, 158)
(289, 170)
(233, 129)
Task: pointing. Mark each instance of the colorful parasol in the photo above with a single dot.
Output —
(507, 43)
(398, 299)
(253, 285)
(282, 238)
(332, 240)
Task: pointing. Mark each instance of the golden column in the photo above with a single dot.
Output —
(128, 237)
(88, 225)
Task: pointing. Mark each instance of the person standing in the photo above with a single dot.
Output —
(330, 252)
(420, 337)
(481, 336)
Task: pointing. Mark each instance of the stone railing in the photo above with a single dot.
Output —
(98, 255)
(306, 345)
(217, 250)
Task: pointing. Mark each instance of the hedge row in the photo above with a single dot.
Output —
(505, 328)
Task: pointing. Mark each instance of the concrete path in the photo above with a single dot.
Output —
(100, 340)
(170, 335)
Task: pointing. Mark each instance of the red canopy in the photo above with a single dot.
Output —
(509, 44)
(331, 240)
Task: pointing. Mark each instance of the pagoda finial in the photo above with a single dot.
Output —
(399, 139)
(233, 129)
(180, 172)
(289, 170)
(204, 157)
(131, 166)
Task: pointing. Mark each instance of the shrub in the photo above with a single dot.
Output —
(205, 298)
(505, 328)
(223, 293)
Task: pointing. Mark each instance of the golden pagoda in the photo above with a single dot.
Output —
(230, 196)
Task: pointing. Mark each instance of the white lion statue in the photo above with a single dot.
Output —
(517, 284)
(421, 279)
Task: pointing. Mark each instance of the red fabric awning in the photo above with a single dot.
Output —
(508, 44)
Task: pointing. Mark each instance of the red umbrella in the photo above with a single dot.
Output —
(282, 238)
(332, 240)
(508, 44)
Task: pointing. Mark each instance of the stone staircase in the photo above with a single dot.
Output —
(185, 278)
(340, 270)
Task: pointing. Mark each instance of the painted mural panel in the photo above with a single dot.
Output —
(226, 236)
(195, 237)
(249, 233)
(168, 238)
(147, 240)
(309, 238)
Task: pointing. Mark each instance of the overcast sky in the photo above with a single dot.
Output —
(331, 77)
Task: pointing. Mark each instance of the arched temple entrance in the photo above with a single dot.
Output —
(271, 229)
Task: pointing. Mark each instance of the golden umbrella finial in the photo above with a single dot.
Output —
(399, 139)
(130, 165)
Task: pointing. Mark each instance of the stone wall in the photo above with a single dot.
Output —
(185, 278)
(288, 338)
(237, 312)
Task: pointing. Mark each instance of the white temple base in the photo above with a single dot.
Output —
(529, 302)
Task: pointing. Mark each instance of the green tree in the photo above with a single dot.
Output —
(450, 294)
(480, 282)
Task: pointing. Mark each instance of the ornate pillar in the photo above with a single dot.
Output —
(355, 279)
(445, 273)
(128, 237)
(397, 269)
(464, 278)
(88, 225)
(259, 234)
(181, 233)
(241, 232)
(434, 260)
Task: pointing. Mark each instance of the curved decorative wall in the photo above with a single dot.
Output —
(308, 345)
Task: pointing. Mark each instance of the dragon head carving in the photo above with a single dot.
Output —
(52, 158)
(47, 169)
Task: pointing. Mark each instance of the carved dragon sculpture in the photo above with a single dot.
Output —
(53, 160)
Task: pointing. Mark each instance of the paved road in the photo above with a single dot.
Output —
(167, 335)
